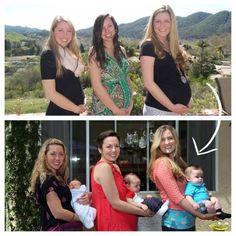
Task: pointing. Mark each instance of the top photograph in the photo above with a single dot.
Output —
(94, 58)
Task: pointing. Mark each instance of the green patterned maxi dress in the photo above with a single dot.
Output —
(114, 77)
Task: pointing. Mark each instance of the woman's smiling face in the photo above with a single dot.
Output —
(168, 143)
(63, 34)
(162, 25)
(110, 149)
(108, 29)
(55, 157)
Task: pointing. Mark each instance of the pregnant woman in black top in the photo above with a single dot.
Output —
(61, 67)
(163, 67)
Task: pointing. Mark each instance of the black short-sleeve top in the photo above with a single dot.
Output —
(41, 190)
(68, 84)
(167, 77)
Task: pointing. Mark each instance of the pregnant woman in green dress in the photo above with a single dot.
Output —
(108, 68)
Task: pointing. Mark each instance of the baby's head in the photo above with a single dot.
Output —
(74, 184)
(194, 174)
(132, 182)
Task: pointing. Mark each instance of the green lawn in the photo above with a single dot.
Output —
(203, 98)
(24, 106)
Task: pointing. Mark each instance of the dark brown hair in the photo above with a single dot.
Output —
(105, 134)
(98, 50)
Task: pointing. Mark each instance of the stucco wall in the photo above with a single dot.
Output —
(223, 180)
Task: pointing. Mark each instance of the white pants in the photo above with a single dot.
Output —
(151, 111)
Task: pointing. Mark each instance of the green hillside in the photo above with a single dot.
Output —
(217, 24)
(15, 37)
(196, 26)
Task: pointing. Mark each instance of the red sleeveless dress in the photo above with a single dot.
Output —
(109, 219)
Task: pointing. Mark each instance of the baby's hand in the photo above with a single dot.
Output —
(84, 199)
(149, 213)
(144, 207)
(195, 206)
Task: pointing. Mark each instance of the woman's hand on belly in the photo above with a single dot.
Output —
(180, 109)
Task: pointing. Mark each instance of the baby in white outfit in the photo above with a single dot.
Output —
(86, 213)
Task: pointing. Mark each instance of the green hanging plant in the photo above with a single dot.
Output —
(21, 148)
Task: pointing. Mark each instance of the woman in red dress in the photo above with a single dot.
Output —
(109, 189)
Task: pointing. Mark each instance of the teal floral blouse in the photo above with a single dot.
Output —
(114, 77)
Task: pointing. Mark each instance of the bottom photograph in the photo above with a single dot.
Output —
(118, 175)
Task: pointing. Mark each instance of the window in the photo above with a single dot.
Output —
(78, 151)
(136, 136)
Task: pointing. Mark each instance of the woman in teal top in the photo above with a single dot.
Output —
(108, 69)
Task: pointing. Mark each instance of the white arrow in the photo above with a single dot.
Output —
(216, 131)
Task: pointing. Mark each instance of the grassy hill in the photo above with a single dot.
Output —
(217, 24)
(15, 37)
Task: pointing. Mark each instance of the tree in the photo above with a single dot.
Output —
(7, 44)
(220, 52)
(129, 48)
(7, 48)
(22, 144)
(138, 87)
(202, 44)
(204, 65)
(82, 50)
(23, 81)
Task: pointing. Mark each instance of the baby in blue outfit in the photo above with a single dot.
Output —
(198, 195)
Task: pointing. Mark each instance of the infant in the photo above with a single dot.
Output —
(86, 213)
(198, 195)
(134, 197)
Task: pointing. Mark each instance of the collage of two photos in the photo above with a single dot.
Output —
(118, 124)
(116, 162)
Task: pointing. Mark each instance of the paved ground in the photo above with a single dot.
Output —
(154, 223)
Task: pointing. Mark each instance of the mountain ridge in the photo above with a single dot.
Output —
(195, 26)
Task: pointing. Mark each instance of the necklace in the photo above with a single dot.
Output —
(182, 76)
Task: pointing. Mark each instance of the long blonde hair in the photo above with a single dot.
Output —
(176, 51)
(41, 169)
(178, 165)
(51, 44)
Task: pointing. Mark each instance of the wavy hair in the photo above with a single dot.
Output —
(41, 168)
(51, 44)
(178, 165)
(176, 51)
(98, 51)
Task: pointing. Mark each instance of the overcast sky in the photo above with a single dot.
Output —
(39, 14)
